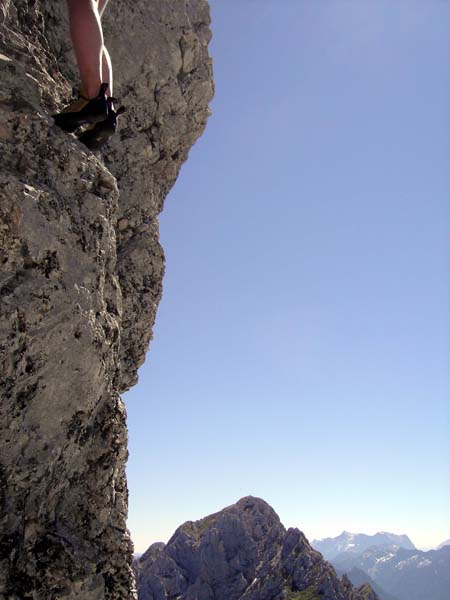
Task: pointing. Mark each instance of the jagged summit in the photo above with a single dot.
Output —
(254, 504)
(242, 552)
(253, 512)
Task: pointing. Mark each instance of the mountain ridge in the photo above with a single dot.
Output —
(242, 552)
(359, 577)
(358, 542)
(403, 573)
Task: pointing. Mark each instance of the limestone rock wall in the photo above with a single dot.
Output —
(80, 280)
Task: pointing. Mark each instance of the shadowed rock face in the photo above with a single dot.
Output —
(80, 281)
(240, 553)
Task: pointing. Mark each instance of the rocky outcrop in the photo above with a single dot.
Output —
(80, 281)
(240, 553)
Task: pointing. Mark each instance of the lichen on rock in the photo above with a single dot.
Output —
(80, 282)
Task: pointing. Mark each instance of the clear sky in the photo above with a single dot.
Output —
(302, 347)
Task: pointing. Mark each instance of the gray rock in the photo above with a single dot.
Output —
(78, 292)
(240, 553)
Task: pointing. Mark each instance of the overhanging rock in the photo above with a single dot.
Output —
(80, 281)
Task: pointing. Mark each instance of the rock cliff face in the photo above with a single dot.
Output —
(240, 553)
(80, 281)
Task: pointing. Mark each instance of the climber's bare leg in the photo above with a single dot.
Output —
(95, 137)
(107, 72)
(87, 39)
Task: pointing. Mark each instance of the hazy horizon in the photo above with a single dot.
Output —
(302, 345)
(142, 548)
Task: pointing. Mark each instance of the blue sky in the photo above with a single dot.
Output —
(302, 347)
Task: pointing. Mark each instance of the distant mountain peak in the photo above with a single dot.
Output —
(359, 542)
(242, 552)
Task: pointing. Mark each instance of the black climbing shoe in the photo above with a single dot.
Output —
(82, 111)
(97, 135)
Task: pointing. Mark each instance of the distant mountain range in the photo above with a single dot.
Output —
(356, 543)
(242, 552)
(395, 568)
(446, 543)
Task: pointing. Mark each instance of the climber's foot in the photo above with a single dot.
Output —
(97, 135)
(82, 111)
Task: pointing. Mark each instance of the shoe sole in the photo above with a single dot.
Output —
(96, 141)
(71, 121)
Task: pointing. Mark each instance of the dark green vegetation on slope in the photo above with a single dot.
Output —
(309, 594)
